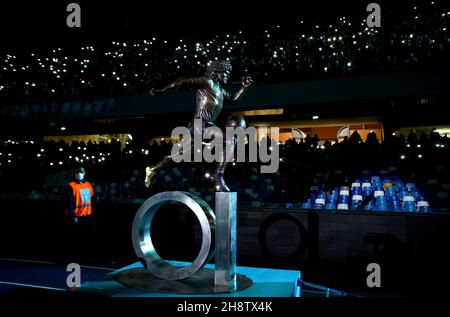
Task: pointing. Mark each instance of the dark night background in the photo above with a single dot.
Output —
(37, 23)
(42, 25)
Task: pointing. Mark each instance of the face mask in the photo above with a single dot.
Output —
(79, 176)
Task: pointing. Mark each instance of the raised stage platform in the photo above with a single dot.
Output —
(266, 283)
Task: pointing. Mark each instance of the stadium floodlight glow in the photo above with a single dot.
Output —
(315, 117)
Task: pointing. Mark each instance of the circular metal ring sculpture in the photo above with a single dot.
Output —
(143, 244)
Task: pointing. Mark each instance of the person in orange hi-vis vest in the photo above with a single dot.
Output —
(80, 216)
(81, 193)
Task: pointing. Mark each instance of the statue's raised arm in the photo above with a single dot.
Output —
(181, 83)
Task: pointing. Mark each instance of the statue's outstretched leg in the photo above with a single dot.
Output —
(150, 171)
(167, 161)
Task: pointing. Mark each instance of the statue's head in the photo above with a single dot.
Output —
(219, 70)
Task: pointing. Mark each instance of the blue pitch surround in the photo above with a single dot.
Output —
(42, 277)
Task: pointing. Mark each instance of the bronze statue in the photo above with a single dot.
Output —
(210, 95)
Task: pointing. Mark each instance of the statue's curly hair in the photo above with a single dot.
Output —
(218, 66)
